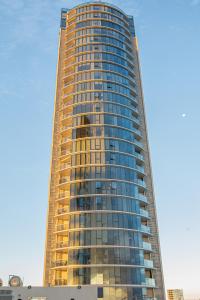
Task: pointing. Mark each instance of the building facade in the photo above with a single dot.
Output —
(102, 227)
(175, 294)
(49, 293)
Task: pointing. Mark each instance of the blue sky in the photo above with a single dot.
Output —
(168, 33)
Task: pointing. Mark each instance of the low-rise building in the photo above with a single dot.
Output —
(175, 294)
(51, 293)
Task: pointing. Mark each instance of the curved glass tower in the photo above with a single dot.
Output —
(102, 227)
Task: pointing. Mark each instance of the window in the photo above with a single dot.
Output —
(97, 95)
(97, 66)
(98, 185)
(97, 75)
(100, 292)
(98, 85)
(84, 67)
(37, 298)
(97, 107)
(96, 7)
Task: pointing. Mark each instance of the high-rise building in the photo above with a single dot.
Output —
(175, 294)
(102, 227)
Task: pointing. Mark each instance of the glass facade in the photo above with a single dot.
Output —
(100, 223)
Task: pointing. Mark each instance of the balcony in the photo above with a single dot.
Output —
(64, 116)
(137, 121)
(150, 282)
(59, 282)
(148, 264)
(64, 166)
(63, 210)
(145, 229)
(64, 153)
(65, 140)
(137, 131)
(142, 198)
(67, 104)
(147, 246)
(64, 180)
(139, 156)
(64, 128)
(140, 182)
(59, 263)
(61, 227)
(144, 213)
(63, 195)
(139, 144)
(61, 245)
(140, 169)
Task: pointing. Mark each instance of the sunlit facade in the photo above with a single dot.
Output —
(175, 294)
(102, 227)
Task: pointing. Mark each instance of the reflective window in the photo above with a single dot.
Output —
(101, 219)
(104, 66)
(123, 256)
(101, 8)
(105, 203)
(95, 131)
(103, 172)
(110, 119)
(104, 76)
(106, 275)
(106, 96)
(104, 56)
(108, 107)
(105, 237)
(100, 16)
(99, 39)
(103, 48)
(106, 32)
(107, 144)
(105, 86)
(104, 187)
(108, 158)
(101, 23)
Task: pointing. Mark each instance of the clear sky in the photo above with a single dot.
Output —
(169, 39)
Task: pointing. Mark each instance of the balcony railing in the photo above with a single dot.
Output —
(137, 121)
(64, 166)
(63, 128)
(59, 282)
(144, 213)
(61, 245)
(63, 195)
(140, 182)
(61, 227)
(64, 152)
(137, 131)
(140, 156)
(147, 246)
(140, 169)
(66, 115)
(139, 144)
(64, 180)
(65, 139)
(62, 210)
(150, 282)
(142, 198)
(148, 263)
(59, 263)
(145, 229)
